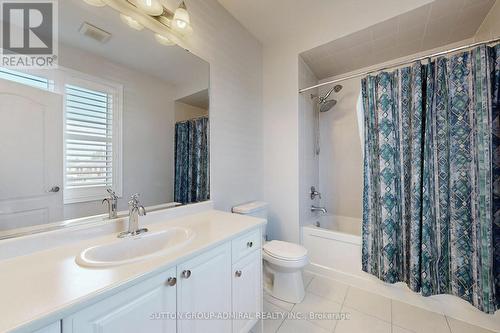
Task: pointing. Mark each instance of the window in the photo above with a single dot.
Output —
(92, 140)
(89, 133)
(24, 78)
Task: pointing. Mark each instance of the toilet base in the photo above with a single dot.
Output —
(286, 286)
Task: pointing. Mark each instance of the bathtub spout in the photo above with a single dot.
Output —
(318, 209)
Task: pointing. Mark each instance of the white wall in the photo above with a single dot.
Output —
(490, 28)
(185, 111)
(148, 117)
(308, 159)
(281, 102)
(235, 58)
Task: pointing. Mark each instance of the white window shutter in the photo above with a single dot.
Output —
(89, 142)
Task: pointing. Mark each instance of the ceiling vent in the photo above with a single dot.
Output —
(94, 32)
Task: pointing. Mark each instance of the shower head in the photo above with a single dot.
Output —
(324, 98)
(338, 88)
(326, 105)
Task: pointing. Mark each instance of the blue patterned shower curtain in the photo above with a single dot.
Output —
(192, 169)
(431, 209)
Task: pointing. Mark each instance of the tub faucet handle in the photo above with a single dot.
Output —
(314, 193)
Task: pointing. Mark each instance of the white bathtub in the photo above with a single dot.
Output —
(334, 250)
(334, 243)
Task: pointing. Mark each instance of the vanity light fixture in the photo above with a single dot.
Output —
(150, 7)
(96, 3)
(163, 40)
(167, 26)
(181, 18)
(134, 24)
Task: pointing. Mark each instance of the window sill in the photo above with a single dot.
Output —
(73, 196)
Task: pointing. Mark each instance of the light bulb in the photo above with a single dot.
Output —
(181, 17)
(163, 40)
(181, 24)
(131, 22)
(150, 7)
(96, 3)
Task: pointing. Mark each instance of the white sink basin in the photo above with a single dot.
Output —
(127, 250)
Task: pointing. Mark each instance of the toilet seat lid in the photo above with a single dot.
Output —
(285, 250)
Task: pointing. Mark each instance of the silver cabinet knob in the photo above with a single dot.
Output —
(237, 273)
(249, 244)
(186, 274)
(55, 189)
(171, 281)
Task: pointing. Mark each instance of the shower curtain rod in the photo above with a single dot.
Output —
(401, 63)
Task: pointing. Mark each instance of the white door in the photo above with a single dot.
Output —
(204, 290)
(146, 307)
(31, 171)
(247, 291)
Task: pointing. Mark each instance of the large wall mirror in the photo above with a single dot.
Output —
(121, 113)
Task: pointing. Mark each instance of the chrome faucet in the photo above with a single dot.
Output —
(318, 209)
(135, 209)
(112, 202)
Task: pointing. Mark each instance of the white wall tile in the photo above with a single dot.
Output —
(490, 28)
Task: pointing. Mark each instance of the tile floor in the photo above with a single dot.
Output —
(367, 313)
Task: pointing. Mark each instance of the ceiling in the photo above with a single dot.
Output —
(439, 23)
(312, 21)
(199, 99)
(134, 49)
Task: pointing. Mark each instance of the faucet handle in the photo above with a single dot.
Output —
(314, 193)
(112, 194)
(134, 200)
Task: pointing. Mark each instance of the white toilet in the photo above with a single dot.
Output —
(283, 261)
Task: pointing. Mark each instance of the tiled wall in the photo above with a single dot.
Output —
(490, 28)
(308, 160)
(340, 161)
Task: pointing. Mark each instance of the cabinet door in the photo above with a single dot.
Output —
(203, 289)
(140, 308)
(247, 291)
(54, 328)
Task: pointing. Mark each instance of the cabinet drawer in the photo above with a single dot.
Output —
(245, 244)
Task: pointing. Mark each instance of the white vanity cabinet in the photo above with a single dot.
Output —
(247, 291)
(204, 289)
(137, 309)
(203, 292)
(53, 328)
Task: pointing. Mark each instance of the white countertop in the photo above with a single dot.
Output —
(44, 286)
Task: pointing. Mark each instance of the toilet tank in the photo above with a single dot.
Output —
(254, 208)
